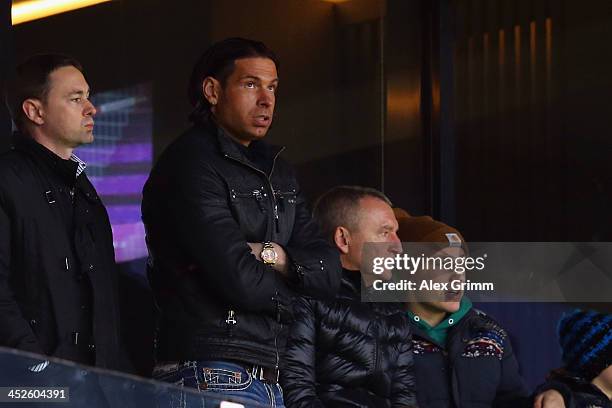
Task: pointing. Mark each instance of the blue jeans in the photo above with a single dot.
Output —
(218, 379)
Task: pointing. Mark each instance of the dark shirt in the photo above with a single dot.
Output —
(258, 155)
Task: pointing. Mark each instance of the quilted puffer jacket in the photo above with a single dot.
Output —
(345, 353)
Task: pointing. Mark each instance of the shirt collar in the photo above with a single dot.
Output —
(81, 165)
(439, 332)
(71, 172)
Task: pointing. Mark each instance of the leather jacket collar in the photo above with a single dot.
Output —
(229, 148)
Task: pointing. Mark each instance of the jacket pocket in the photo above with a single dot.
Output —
(286, 199)
(251, 210)
(257, 196)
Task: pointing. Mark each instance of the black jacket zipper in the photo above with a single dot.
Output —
(267, 177)
(277, 229)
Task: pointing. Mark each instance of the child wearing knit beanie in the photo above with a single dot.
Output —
(424, 229)
(586, 344)
(586, 341)
(463, 358)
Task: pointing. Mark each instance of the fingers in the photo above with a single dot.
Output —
(538, 401)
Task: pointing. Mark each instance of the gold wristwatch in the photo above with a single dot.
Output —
(268, 254)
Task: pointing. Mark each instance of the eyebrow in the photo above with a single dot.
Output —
(255, 78)
(78, 92)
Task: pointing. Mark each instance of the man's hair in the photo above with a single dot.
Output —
(218, 62)
(340, 207)
(31, 80)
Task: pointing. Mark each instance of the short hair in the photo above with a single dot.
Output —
(340, 207)
(31, 80)
(218, 62)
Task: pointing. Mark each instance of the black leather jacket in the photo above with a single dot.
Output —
(201, 205)
(345, 353)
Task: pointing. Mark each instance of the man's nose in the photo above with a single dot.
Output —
(395, 245)
(90, 109)
(265, 98)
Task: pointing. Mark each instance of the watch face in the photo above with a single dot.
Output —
(268, 255)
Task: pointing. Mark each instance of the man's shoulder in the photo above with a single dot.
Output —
(313, 305)
(389, 309)
(480, 318)
(13, 164)
(335, 305)
(194, 143)
(482, 325)
(16, 176)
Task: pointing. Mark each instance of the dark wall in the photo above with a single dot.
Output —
(406, 163)
(5, 69)
(531, 135)
(532, 113)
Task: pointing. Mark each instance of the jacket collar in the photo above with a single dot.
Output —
(67, 170)
(229, 148)
(439, 333)
(350, 284)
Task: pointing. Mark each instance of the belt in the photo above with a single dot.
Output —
(265, 374)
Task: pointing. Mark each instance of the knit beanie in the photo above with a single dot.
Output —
(586, 342)
(426, 229)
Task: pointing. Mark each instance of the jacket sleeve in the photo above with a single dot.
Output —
(316, 262)
(298, 373)
(403, 387)
(511, 391)
(15, 331)
(202, 223)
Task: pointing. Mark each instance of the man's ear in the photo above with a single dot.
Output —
(33, 110)
(211, 89)
(342, 239)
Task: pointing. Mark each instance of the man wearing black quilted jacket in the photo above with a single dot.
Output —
(231, 241)
(344, 352)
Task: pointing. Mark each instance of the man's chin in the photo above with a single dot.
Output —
(87, 138)
(259, 133)
(386, 275)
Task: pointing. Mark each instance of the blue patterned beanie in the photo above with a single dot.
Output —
(586, 342)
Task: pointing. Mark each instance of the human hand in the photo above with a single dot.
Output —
(549, 399)
(281, 264)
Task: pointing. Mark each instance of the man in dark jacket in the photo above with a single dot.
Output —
(345, 352)
(57, 268)
(230, 238)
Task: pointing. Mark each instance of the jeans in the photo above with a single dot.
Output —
(215, 381)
